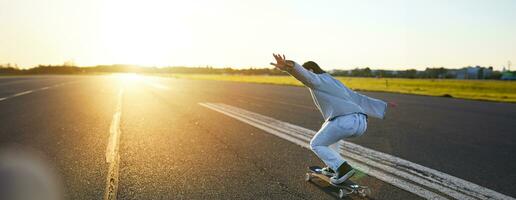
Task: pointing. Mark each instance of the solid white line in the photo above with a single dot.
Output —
(112, 155)
(267, 122)
(447, 184)
(400, 183)
(258, 125)
(442, 182)
(437, 180)
(114, 133)
(450, 192)
(433, 178)
(380, 175)
(357, 157)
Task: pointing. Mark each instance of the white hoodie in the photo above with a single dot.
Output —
(334, 99)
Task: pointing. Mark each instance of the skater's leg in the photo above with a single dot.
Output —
(331, 132)
(345, 171)
(326, 143)
(336, 146)
(328, 171)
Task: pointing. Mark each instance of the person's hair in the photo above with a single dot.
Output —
(311, 65)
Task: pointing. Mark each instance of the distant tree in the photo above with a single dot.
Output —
(383, 73)
(496, 75)
(339, 72)
(434, 73)
(366, 72)
(409, 73)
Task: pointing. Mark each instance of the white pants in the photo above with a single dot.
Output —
(332, 132)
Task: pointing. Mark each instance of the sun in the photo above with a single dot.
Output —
(143, 32)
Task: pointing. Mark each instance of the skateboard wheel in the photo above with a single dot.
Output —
(308, 177)
(342, 193)
(364, 192)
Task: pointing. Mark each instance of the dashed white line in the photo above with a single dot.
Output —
(22, 93)
(30, 91)
(112, 155)
(396, 171)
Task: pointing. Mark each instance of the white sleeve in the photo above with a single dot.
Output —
(308, 78)
(371, 106)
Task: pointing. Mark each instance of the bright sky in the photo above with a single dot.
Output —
(394, 34)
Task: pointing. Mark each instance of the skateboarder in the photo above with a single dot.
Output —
(345, 113)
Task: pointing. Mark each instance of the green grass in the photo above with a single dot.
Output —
(490, 90)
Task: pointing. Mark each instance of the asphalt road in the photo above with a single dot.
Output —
(170, 147)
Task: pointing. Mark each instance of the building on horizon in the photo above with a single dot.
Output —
(470, 72)
(508, 75)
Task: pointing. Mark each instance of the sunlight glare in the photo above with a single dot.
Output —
(128, 79)
(144, 32)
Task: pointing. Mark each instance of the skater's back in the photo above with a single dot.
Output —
(333, 98)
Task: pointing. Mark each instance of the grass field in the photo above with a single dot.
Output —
(491, 90)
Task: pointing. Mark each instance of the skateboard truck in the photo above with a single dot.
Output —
(346, 188)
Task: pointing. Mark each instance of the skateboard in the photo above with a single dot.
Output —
(346, 188)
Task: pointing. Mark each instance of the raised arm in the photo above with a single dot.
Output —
(308, 78)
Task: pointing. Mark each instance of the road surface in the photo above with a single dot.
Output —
(134, 137)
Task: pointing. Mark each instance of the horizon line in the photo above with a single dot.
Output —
(14, 65)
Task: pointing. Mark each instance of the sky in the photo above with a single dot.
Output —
(337, 34)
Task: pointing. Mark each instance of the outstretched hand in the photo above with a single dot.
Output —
(281, 62)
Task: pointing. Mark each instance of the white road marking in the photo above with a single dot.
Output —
(112, 155)
(22, 93)
(413, 173)
(404, 174)
(30, 91)
(304, 143)
(114, 130)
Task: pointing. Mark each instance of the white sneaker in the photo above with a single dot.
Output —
(327, 171)
(344, 172)
(338, 180)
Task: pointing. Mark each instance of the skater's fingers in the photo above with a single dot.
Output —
(276, 57)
